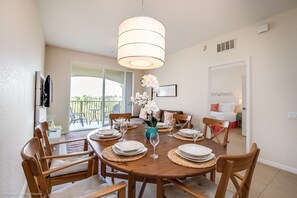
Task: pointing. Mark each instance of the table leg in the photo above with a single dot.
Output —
(103, 169)
(131, 186)
(160, 184)
(213, 176)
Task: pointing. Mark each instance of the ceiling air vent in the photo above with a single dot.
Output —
(226, 45)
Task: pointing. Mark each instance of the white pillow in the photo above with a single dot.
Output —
(226, 107)
(142, 114)
(168, 117)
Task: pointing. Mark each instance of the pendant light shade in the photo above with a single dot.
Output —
(141, 43)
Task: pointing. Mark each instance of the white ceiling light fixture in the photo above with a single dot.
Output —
(141, 43)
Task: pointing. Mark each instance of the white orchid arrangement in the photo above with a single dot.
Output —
(149, 105)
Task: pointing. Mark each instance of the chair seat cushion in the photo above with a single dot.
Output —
(199, 183)
(64, 161)
(83, 187)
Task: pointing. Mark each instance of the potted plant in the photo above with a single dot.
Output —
(147, 103)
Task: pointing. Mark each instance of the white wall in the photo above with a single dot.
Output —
(21, 54)
(226, 84)
(57, 64)
(273, 83)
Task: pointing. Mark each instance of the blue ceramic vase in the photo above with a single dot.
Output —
(150, 130)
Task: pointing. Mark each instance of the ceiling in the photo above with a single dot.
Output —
(92, 25)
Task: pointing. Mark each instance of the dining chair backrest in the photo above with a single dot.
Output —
(114, 116)
(47, 159)
(217, 128)
(230, 166)
(39, 181)
(32, 168)
(41, 134)
(182, 120)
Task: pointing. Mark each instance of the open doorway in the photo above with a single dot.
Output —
(229, 87)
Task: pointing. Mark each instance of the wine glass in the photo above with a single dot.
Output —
(123, 129)
(118, 122)
(154, 140)
(170, 126)
(195, 136)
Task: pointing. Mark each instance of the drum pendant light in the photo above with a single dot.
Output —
(141, 43)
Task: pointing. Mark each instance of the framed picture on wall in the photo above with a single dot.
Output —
(167, 91)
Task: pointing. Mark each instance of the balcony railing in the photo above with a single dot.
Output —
(93, 109)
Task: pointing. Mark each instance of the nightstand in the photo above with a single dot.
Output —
(239, 119)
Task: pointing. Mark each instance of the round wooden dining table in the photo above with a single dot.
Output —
(154, 169)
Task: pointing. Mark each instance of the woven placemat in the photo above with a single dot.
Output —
(129, 127)
(163, 130)
(177, 136)
(110, 155)
(95, 138)
(183, 162)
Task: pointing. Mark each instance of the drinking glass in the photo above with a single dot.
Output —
(195, 136)
(123, 129)
(154, 140)
(170, 126)
(118, 122)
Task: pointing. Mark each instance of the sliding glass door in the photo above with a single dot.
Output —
(95, 93)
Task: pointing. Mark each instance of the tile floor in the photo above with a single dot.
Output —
(268, 182)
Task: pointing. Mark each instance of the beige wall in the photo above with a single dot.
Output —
(226, 80)
(273, 83)
(21, 54)
(57, 64)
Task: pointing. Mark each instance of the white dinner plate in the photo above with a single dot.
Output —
(161, 125)
(209, 157)
(117, 125)
(130, 153)
(188, 136)
(195, 149)
(116, 134)
(106, 132)
(129, 145)
(191, 156)
(189, 131)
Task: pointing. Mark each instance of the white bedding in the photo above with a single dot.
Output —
(230, 116)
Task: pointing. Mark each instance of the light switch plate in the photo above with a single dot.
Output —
(292, 115)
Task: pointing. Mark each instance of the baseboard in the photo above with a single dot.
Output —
(24, 190)
(277, 165)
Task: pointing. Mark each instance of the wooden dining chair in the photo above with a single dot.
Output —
(38, 179)
(229, 166)
(50, 161)
(43, 137)
(182, 121)
(114, 116)
(217, 128)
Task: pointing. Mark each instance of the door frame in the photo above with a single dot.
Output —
(247, 63)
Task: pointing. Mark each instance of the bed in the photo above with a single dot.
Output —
(224, 111)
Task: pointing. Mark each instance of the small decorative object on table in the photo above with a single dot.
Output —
(147, 103)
